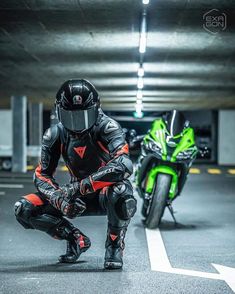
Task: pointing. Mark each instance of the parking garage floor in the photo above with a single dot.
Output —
(205, 235)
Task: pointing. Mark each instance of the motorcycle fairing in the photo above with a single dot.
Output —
(183, 142)
(152, 176)
(187, 142)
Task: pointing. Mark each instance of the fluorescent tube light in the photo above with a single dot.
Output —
(140, 83)
(143, 43)
(140, 72)
(139, 94)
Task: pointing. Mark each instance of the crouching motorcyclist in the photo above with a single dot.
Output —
(94, 149)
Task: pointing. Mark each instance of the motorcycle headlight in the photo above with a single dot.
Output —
(154, 147)
(184, 155)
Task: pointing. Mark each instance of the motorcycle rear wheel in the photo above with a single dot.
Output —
(158, 201)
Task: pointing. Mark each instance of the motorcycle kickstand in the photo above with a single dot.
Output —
(172, 213)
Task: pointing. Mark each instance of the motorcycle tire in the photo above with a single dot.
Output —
(158, 201)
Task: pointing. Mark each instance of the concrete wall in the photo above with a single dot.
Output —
(226, 137)
(6, 127)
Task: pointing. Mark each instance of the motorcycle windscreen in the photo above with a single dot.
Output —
(175, 123)
(78, 120)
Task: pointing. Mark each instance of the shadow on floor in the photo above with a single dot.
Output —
(48, 268)
(32, 266)
(171, 225)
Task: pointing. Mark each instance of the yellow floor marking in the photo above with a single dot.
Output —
(30, 167)
(231, 171)
(64, 168)
(194, 170)
(214, 171)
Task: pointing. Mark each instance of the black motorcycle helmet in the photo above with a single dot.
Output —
(175, 122)
(77, 103)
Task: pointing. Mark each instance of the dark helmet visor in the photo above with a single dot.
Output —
(78, 120)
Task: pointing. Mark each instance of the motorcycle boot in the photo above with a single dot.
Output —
(77, 243)
(114, 248)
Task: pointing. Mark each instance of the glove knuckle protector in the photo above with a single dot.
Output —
(75, 209)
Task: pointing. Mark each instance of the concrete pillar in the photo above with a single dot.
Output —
(19, 152)
(35, 123)
(226, 137)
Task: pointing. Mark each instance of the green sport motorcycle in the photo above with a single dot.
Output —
(167, 152)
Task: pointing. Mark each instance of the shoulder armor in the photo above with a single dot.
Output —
(51, 135)
(111, 133)
(110, 127)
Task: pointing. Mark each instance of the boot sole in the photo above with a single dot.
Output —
(112, 265)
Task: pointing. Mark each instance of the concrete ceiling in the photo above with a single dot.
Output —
(45, 42)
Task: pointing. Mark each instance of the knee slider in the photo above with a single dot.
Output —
(123, 201)
(18, 207)
(126, 207)
(23, 212)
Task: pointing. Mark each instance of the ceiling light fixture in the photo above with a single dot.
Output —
(138, 114)
(138, 107)
(139, 102)
(143, 33)
(140, 71)
(143, 43)
(138, 111)
(139, 94)
(140, 83)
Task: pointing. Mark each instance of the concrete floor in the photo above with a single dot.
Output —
(205, 235)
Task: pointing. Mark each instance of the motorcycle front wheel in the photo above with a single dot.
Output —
(158, 202)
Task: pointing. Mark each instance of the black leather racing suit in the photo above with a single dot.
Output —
(99, 159)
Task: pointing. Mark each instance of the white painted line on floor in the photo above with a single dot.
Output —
(157, 252)
(12, 186)
(159, 262)
(2, 193)
(228, 274)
